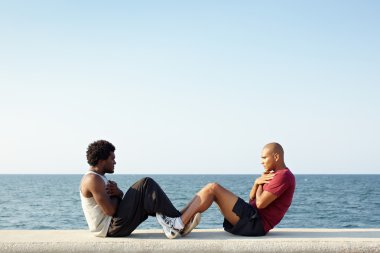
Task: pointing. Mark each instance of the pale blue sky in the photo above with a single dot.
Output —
(190, 87)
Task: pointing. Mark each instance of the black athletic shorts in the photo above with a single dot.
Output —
(250, 222)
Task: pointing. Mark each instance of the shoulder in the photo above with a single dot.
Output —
(288, 176)
(90, 177)
(285, 173)
(283, 176)
(90, 183)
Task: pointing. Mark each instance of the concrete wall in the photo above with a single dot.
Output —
(203, 240)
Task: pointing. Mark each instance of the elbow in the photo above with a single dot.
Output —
(110, 212)
(260, 205)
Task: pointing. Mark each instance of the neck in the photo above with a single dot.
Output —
(97, 170)
(281, 166)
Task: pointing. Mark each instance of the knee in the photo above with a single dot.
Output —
(212, 188)
(143, 182)
(148, 181)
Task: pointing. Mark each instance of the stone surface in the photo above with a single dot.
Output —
(202, 240)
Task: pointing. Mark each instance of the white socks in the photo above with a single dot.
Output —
(178, 224)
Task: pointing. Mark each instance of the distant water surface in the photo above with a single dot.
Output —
(320, 201)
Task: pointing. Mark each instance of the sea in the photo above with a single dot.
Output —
(320, 201)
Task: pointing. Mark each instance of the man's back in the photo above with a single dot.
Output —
(97, 220)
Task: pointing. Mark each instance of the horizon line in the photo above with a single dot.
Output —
(180, 174)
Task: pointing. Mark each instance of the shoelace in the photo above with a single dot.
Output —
(168, 220)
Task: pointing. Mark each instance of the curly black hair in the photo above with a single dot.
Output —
(99, 150)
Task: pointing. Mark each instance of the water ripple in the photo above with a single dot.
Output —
(325, 201)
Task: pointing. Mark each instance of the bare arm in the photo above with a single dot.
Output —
(113, 190)
(264, 198)
(263, 179)
(252, 194)
(95, 185)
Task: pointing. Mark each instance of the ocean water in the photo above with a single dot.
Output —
(320, 201)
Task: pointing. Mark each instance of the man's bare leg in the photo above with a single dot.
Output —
(204, 198)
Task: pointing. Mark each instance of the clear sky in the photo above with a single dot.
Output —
(190, 86)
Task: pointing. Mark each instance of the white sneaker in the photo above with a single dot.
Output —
(191, 225)
(170, 233)
(167, 224)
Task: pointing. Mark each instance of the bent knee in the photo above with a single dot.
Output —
(143, 181)
(148, 180)
(213, 187)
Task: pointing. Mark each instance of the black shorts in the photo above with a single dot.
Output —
(250, 222)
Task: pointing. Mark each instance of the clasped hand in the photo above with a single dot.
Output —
(112, 189)
(264, 178)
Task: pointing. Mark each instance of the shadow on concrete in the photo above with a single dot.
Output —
(324, 234)
(220, 235)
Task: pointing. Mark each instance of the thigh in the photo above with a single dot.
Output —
(132, 201)
(130, 212)
(249, 224)
(226, 201)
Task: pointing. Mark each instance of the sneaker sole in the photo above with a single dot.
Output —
(170, 233)
(173, 232)
(193, 223)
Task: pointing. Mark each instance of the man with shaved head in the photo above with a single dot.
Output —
(269, 199)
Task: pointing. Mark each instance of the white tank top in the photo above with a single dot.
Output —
(97, 221)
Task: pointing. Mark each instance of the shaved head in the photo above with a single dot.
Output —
(272, 157)
(275, 148)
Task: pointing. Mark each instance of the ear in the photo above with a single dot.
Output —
(276, 156)
(101, 163)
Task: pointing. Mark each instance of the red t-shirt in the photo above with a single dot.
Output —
(282, 185)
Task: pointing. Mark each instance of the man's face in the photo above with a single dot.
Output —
(110, 163)
(268, 160)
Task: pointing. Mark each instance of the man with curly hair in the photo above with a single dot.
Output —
(109, 212)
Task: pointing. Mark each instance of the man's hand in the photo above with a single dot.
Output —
(265, 178)
(112, 190)
(95, 185)
(262, 198)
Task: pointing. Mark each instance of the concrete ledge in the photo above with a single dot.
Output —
(202, 240)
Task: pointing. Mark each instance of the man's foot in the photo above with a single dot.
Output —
(191, 224)
(169, 225)
(170, 233)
